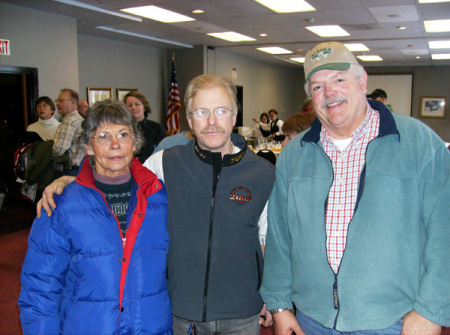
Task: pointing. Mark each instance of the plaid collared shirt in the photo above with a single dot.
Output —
(66, 139)
(347, 167)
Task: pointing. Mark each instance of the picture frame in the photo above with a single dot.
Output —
(122, 92)
(96, 94)
(433, 107)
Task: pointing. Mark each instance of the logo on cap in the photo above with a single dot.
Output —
(321, 54)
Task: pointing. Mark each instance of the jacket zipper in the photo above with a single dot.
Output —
(216, 177)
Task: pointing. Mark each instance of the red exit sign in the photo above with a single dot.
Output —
(4, 47)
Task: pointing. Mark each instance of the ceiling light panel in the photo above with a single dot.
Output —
(440, 56)
(231, 36)
(370, 58)
(275, 50)
(356, 47)
(287, 6)
(298, 59)
(439, 44)
(158, 14)
(437, 26)
(328, 31)
(433, 1)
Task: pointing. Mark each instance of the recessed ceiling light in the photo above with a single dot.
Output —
(275, 50)
(356, 47)
(287, 6)
(402, 27)
(231, 36)
(300, 50)
(157, 14)
(439, 44)
(437, 26)
(418, 57)
(198, 11)
(98, 9)
(328, 31)
(370, 58)
(298, 59)
(440, 56)
(433, 1)
(263, 35)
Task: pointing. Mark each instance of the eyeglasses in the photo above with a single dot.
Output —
(123, 137)
(220, 113)
(62, 100)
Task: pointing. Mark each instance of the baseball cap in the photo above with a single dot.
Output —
(378, 93)
(328, 56)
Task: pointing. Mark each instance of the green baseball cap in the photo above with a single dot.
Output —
(328, 56)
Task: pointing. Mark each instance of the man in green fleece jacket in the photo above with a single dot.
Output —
(358, 218)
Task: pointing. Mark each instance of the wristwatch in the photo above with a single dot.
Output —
(278, 310)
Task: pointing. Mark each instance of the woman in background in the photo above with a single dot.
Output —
(153, 132)
(46, 126)
(262, 126)
(97, 265)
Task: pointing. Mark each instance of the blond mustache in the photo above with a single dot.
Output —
(332, 101)
(213, 130)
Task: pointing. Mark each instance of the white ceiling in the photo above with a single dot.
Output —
(371, 22)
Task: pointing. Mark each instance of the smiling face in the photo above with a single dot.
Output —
(44, 110)
(339, 100)
(112, 159)
(213, 134)
(136, 107)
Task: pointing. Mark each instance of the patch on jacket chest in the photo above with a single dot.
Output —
(240, 195)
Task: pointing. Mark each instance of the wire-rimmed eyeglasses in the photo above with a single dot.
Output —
(203, 114)
(123, 137)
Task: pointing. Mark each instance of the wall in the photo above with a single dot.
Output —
(44, 41)
(427, 81)
(115, 64)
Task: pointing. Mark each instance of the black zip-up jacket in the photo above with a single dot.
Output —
(215, 261)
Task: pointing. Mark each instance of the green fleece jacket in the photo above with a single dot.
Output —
(397, 256)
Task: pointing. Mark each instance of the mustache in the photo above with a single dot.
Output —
(213, 130)
(333, 100)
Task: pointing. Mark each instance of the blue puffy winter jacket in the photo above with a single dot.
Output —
(79, 277)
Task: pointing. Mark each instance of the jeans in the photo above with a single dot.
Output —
(247, 326)
(311, 327)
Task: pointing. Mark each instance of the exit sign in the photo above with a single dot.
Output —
(4, 47)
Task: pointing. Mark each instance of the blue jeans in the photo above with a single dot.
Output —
(247, 326)
(311, 327)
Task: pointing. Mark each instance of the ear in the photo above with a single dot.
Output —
(363, 82)
(88, 149)
(189, 119)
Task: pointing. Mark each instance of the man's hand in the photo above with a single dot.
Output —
(267, 321)
(285, 323)
(416, 324)
(47, 201)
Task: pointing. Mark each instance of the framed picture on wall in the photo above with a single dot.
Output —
(122, 92)
(96, 94)
(432, 107)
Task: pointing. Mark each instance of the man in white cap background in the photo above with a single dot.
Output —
(358, 217)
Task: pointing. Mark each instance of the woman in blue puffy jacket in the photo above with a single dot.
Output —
(97, 265)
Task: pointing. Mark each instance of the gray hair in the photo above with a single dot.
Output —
(357, 70)
(113, 112)
(209, 80)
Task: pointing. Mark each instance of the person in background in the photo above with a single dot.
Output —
(173, 140)
(47, 125)
(294, 125)
(69, 131)
(275, 126)
(153, 131)
(262, 127)
(217, 219)
(307, 107)
(82, 107)
(358, 217)
(97, 265)
(380, 95)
